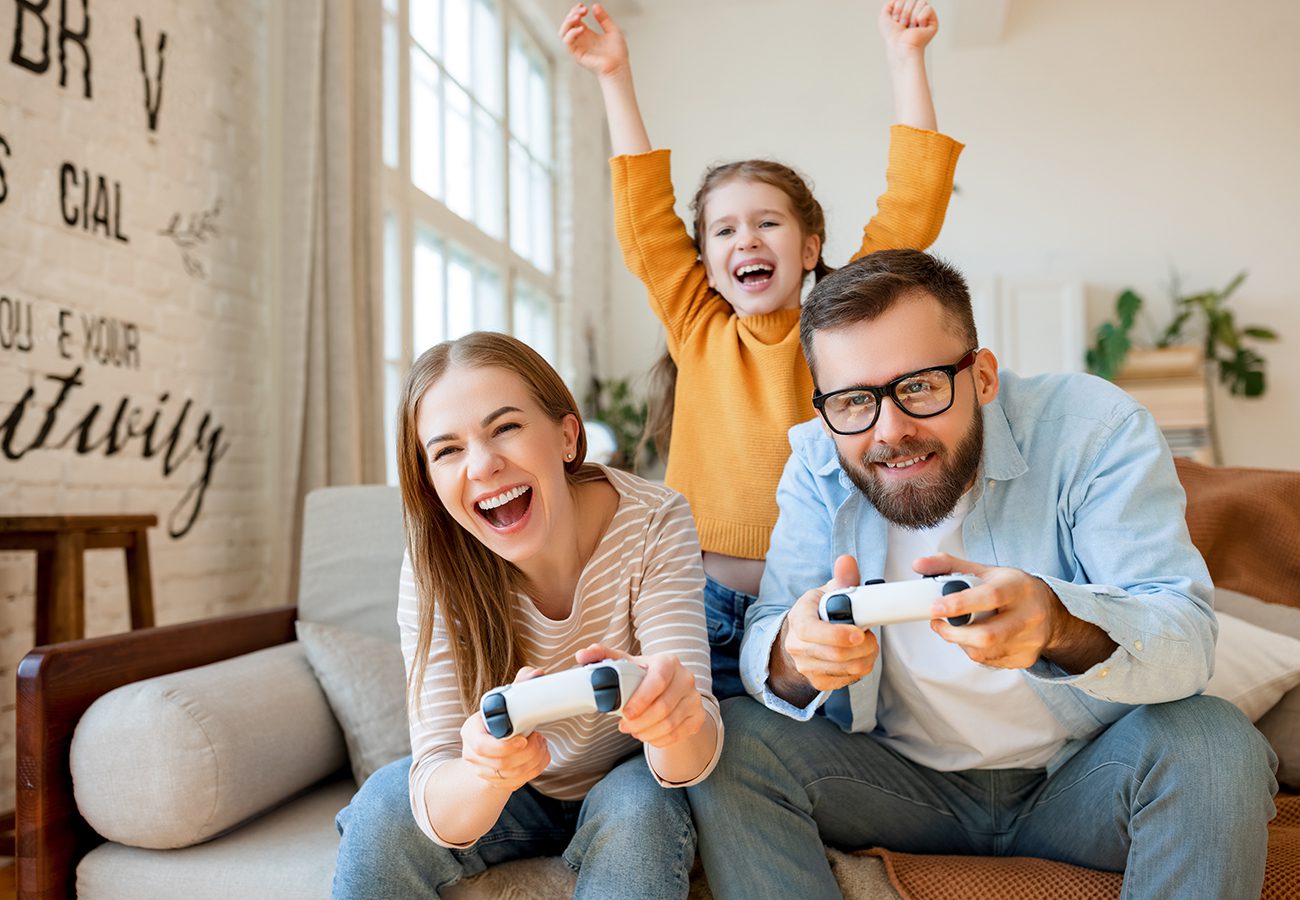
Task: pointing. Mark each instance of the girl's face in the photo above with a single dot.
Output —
(496, 460)
(755, 251)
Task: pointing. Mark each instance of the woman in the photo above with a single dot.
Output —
(523, 559)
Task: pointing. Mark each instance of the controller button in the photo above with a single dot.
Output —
(839, 608)
(497, 716)
(607, 699)
(954, 587)
(873, 581)
(959, 620)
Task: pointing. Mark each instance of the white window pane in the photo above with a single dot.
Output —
(392, 396)
(491, 312)
(542, 223)
(426, 26)
(426, 125)
(518, 89)
(489, 204)
(487, 55)
(457, 40)
(460, 296)
(391, 6)
(427, 292)
(539, 112)
(392, 288)
(521, 222)
(391, 93)
(460, 153)
(535, 321)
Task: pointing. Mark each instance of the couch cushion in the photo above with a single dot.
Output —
(1253, 667)
(174, 760)
(352, 545)
(1281, 724)
(364, 680)
(287, 854)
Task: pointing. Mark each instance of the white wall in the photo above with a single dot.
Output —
(1107, 142)
(200, 336)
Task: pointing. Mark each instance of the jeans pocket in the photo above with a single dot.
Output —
(724, 610)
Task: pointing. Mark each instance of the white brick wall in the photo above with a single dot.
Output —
(199, 339)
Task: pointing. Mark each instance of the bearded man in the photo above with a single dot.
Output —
(1066, 723)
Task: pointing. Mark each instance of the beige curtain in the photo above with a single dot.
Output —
(331, 256)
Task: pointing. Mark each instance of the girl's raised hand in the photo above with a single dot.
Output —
(603, 52)
(666, 707)
(907, 25)
(504, 764)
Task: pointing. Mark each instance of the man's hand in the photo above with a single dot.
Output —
(810, 655)
(1030, 621)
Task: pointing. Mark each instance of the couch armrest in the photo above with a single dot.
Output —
(58, 682)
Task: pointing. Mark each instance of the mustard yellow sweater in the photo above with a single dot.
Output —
(742, 382)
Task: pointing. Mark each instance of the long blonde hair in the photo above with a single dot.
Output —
(468, 585)
(662, 380)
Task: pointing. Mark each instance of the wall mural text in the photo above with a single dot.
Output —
(59, 410)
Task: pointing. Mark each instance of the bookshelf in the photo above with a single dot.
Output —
(1171, 383)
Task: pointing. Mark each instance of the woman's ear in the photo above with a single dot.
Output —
(570, 429)
(812, 251)
(985, 373)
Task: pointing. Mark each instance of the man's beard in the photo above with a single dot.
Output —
(925, 501)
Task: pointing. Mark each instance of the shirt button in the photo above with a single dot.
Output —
(1103, 673)
(1137, 645)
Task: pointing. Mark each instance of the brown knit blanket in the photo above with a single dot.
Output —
(934, 877)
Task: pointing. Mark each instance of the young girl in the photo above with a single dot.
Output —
(522, 559)
(729, 298)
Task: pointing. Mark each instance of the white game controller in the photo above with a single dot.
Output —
(597, 687)
(887, 603)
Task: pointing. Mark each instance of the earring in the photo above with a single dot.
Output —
(568, 457)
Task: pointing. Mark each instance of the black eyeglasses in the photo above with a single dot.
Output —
(920, 394)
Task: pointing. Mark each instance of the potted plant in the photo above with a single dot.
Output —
(1203, 332)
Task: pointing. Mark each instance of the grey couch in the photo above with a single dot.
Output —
(205, 760)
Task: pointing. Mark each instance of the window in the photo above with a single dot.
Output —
(469, 182)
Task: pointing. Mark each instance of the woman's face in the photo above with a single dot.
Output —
(497, 460)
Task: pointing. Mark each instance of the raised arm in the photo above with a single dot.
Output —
(604, 54)
(907, 26)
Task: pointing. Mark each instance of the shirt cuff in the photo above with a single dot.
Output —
(759, 640)
(1088, 602)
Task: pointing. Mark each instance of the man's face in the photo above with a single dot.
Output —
(912, 470)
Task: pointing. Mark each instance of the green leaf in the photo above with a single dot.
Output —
(1127, 307)
(1260, 333)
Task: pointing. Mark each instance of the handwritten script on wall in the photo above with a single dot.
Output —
(59, 409)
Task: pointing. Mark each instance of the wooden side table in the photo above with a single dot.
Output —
(60, 543)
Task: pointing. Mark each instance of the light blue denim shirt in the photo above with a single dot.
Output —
(1077, 487)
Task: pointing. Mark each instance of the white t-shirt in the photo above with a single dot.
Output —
(937, 707)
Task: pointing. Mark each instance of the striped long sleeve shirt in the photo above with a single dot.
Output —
(641, 592)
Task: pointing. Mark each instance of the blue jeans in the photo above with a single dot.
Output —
(724, 610)
(1175, 795)
(629, 838)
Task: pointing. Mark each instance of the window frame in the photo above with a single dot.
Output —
(413, 210)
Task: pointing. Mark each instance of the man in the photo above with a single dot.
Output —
(1067, 725)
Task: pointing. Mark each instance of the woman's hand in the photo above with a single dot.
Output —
(666, 708)
(504, 764)
(602, 53)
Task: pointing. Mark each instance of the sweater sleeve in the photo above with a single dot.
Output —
(918, 184)
(668, 612)
(656, 246)
(438, 717)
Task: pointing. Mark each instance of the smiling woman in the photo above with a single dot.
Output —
(524, 558)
